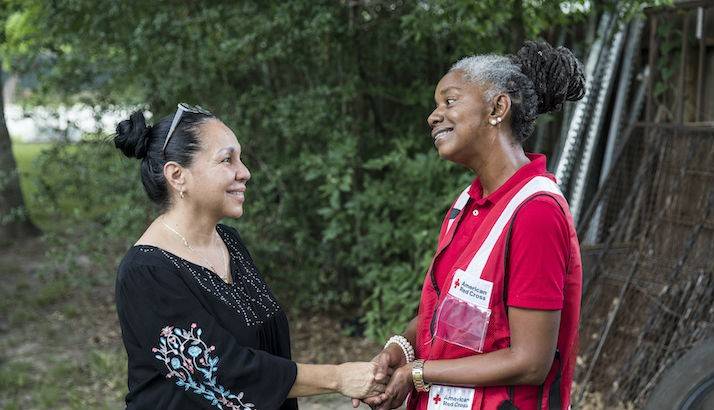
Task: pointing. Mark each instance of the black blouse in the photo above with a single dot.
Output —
(196, 342)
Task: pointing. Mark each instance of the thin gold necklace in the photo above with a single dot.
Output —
(185, 242)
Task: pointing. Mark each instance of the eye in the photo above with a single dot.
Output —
(450, 101)
(226, 159)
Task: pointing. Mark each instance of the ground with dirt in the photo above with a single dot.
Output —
(60, 345)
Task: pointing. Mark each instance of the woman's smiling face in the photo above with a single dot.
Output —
(459, 119)
(218, 177)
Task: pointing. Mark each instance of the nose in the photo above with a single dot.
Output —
(243, 174)
(435, 117)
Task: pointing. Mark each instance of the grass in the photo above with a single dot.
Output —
(25, 153)
(95, 381)
(60, 345)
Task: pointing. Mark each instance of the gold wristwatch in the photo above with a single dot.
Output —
(418, 376)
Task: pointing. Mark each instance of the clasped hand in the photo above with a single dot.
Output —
(361, 380)
(391, 369)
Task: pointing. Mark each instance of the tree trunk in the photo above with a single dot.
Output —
(15, 223)
(518, 29)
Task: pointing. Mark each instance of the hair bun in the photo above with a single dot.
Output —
(556, 73)
(132, 136)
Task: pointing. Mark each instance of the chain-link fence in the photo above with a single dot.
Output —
(649, 273)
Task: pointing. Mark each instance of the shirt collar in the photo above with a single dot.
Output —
(537, 166)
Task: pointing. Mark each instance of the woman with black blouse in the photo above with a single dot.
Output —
(201, 328)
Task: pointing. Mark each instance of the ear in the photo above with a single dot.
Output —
(501, 107)
(175, 175)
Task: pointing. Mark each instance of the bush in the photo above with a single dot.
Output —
(324, 240)
(95, 208)
(328, 100)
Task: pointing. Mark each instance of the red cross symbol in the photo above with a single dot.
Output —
(457, 283)
(437, 399)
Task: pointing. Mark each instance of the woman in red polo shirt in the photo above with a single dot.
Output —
(499, 311)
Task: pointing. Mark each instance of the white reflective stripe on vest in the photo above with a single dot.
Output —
(535, 185)
(459, 205)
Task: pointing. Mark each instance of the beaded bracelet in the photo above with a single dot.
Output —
(402, 341)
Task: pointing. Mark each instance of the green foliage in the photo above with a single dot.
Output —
(667, 64)
(328, 99)
(95, 206)
(25, 154)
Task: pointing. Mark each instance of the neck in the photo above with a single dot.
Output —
(198, 229)
(498, 163)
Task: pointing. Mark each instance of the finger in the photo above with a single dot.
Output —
(355, 403)
(390, 397)
(373, 401)
(399, 399)
(382, 366)
(378, 388)
(377, 399)
(398, 402)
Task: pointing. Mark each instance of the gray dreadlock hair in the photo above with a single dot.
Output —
(538, 78)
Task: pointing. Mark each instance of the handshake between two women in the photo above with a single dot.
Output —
(383, 383)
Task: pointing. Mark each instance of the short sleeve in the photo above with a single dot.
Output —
(539, 253)
(189, 349)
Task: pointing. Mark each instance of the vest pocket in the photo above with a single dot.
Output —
(462, 323)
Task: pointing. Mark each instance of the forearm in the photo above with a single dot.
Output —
(314, 379)
(498, 368)
(410, 331)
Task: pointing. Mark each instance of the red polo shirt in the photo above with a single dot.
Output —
(539, 253)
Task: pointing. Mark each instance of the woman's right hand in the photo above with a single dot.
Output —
(357, 380)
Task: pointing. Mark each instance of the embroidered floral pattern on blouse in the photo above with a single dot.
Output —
(186, 356)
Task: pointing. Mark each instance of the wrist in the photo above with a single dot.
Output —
(417, 373)
(404, 346)
(336, 382)
(396, 355)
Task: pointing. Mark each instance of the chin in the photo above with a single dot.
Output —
(445, 153)
(454, 157)
(234, 212)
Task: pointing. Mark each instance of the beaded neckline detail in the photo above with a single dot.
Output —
(248, 295)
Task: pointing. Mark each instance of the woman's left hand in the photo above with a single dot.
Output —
(397, 390)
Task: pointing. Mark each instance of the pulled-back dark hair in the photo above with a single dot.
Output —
(137, 140)
(538, 78)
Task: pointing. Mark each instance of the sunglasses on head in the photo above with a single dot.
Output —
(182, 108)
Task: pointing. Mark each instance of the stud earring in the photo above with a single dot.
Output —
(498, 119)
(493, 121)
(181, 194)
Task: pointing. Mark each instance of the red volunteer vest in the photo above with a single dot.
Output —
(492, 269)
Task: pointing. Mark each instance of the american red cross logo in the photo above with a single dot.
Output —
(457, 283)
(437, 399)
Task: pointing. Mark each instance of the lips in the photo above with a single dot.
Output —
(439, 133)
(238, 193)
